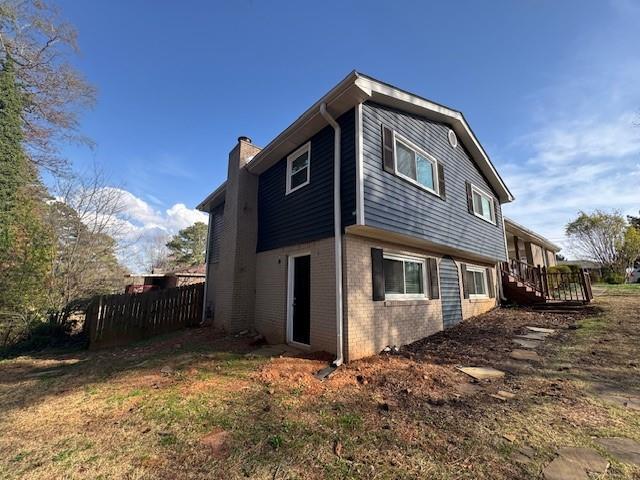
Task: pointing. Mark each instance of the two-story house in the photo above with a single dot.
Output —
(373, 220)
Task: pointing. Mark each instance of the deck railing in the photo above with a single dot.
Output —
(554, 286)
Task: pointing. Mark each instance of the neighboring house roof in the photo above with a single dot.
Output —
(523, 232)
(356, 88)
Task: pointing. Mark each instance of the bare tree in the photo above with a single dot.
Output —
(40, 44)
(85, 215)
(155, 254)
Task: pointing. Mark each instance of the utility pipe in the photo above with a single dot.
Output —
(337, 231)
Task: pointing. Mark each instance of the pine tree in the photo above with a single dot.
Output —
(25, 240)
(187, 247)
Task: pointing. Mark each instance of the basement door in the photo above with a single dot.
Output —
(299, 300)
(450, 290)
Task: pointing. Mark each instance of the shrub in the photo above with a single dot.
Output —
(559, 269)
(614, 278)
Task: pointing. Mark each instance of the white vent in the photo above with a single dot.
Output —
(453, 140)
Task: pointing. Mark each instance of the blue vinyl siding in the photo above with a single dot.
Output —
(450, 288)
(307, 214)
(394, 204)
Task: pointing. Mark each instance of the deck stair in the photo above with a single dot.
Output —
(526, 284)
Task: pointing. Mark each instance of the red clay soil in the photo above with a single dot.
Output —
(485, 340)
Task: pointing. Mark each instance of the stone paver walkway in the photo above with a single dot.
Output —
(575, 464)
(622, 449)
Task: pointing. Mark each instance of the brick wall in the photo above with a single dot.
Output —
(271, 293)
(235, 275)
(370, 326)
(472, 307)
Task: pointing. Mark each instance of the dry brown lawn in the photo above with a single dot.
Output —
(191, 405)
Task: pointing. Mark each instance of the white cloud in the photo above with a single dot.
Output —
(584, 140)
(141, 228)
(581, 149)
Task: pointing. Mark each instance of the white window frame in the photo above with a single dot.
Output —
(483, 271)
(408, 296)
(304, 148)
(416, 150)
(492, 207)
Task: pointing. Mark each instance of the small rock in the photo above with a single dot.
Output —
(166, 370)
(271, 391)
(337, 448)
(386, 349)
(510, 437)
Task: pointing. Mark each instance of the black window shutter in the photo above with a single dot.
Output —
(388, 161)
(434, 290)
(492, 293)
(441, 181)
(465, 288)
(495, 210)
(469, 197)
(377, 274)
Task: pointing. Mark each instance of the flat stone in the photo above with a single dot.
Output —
(482, 373)
(563, 469)
(527, 343)
(574, 463)
(528, 355)
(622, 449)
(502, 395)
(619, 398)
(533, 336)
(507, 395)
(586, 458)
(541, 330)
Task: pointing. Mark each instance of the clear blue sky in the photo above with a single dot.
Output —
(550, 88)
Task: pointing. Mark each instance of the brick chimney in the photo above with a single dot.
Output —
(235, 289)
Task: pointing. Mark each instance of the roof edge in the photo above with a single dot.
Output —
(544, 241)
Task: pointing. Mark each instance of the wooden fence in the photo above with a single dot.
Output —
(113, 320)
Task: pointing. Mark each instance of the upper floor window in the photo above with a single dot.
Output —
(415, 165)
(404, 277)
(298, 168)
(483, 205)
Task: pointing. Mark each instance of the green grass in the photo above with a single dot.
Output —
(622, 289)
(116, 415)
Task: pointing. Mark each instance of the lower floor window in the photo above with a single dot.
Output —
(477, 282)
(403, 277)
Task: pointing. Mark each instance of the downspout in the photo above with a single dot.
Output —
(206, 270)
(337, 231)
(503, 297)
